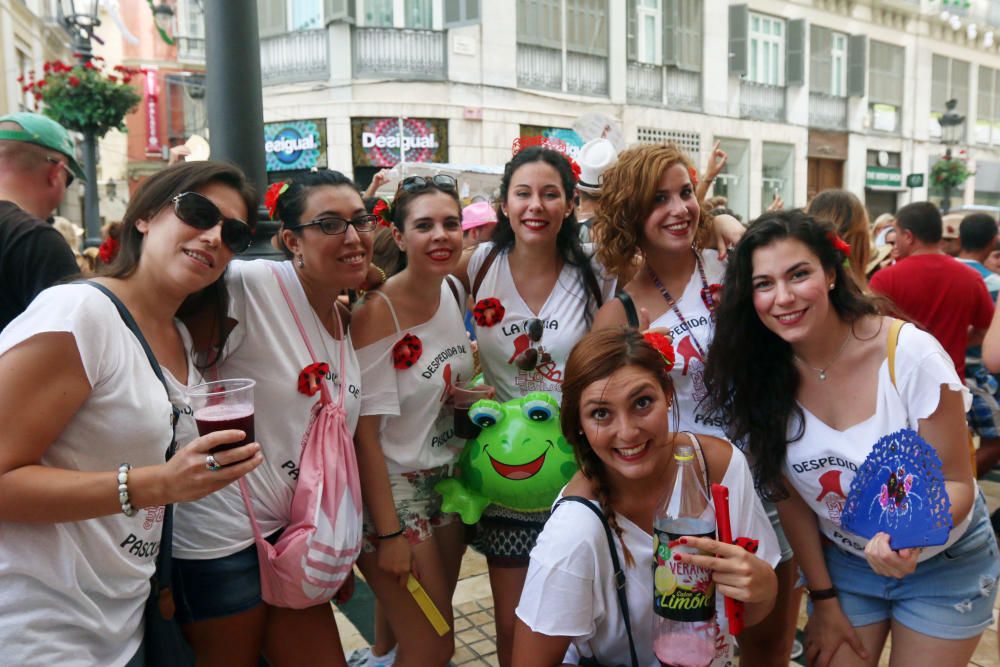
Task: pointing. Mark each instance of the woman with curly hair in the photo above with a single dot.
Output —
(850, 219)
(649, 209)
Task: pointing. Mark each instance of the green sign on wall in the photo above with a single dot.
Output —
(883, 177)
(915, 181)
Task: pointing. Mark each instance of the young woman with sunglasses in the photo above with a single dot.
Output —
(326, 233)
(536, 289)
(413, 348)
(800, 369)
(616, 412)
(87, 424)
(649, 208)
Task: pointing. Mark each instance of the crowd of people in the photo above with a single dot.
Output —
(795, 343)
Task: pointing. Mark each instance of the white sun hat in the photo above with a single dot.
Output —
(595, 157)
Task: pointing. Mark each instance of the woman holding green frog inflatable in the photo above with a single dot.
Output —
(412, 349)
(617, 396)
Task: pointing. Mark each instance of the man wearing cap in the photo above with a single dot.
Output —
(949, 233)
(595, 157)
(37, 164)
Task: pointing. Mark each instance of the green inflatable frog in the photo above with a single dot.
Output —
(520, 460)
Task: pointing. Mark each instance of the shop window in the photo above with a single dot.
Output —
(734, 181)
(778, 174)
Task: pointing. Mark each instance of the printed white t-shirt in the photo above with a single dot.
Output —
(418, 429)
(822, 464)
(692, 339)
(570, 587)
(563, 316)
(266, 346)
(72, 594)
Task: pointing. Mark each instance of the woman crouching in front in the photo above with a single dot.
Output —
(617, 396)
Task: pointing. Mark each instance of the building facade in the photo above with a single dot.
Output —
(802, 94)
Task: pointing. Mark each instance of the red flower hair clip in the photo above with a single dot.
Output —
(661, 344)
(271, 196)
(108, 250)
(384, 213)
(311, 376)
(694, 176)
(839, 243)
(575, 168)
(407, 352)
(488, 312)
(521, 143)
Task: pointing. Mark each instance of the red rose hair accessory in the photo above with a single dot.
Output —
(108, 250)
(274, 192)
(661, 344)
(520, 143)
(406, 352)
(384, 213)
(575, 169)
(488, 312)
(694, 176)
(310, 377)
(839, 243)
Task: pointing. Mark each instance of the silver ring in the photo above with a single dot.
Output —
(211, 463)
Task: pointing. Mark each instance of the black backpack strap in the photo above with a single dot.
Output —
(491, 257)
(616, 563)
(454, 292)
(630, 312)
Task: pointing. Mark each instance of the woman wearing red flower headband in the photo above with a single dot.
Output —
(412, 348)
(849, 218)
(649, 208)
(616, 412)
(326, 234)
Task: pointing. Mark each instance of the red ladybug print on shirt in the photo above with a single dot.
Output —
(407, 352)
(488, 312)
(310, 377)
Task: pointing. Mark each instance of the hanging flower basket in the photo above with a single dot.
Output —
(82, 98)
(949, 172)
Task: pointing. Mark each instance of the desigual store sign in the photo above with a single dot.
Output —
(295, 145)
(381, 142)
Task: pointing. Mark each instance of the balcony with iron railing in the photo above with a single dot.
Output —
(294, 57)
(542, 68)
(663, 86)
(399, 53)
(762, 101)
(827, 112)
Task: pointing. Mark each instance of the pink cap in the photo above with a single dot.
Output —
(478, 214)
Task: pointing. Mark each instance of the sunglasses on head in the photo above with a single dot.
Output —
(200, 212)
(333, 225)
(439, 181)
(533, 357)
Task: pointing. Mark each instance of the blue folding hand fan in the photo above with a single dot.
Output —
(899, 490)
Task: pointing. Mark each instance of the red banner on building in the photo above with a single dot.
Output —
(151, 102)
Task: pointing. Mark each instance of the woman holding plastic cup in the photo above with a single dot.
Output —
(415, 360)
(327, 236)
(87, 424)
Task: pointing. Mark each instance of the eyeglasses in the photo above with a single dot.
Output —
(333, 225)
(200, 212)
(533, 357)
(69, 173)
(440, 181)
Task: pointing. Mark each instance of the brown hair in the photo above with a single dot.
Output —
(628, 190)
(850, 220)
(595, 357)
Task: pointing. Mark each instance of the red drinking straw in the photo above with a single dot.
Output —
(734, 608)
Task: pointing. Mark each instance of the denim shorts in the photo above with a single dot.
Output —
(218, 587)
(949, 596)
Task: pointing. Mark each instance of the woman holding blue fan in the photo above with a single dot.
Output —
(827, 394)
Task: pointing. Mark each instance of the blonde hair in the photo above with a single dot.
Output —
(850, 220)
(628, 190)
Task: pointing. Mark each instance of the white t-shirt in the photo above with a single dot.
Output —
(563, 316)
(822, 464)
(570, 589)
(692, 339)
(266, 346)
(418, 428)
(72, 594)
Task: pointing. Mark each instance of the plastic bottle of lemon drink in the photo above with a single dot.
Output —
(684, 626)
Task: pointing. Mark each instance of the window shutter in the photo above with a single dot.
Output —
(687, 34)
(857, 65)
(795, 53)
(271, 17)
(335, 10)
(739, 25)
(985, 101)
(632, 36)
(671, 32)
(960, 86)
(460, 12)
(820, 59)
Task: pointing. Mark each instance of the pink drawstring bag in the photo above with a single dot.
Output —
(316, 552)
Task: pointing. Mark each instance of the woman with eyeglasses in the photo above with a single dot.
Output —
(326, 234)
(413, 348)
(87, 424)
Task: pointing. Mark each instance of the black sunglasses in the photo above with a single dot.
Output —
(69, 172)
(333, 225)
(200, 212)
(440, 181)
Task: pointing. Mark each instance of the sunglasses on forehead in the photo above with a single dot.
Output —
(439, 181)
(200, 212)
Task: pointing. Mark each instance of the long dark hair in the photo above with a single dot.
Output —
(750, 375)
(153, 196)
(595, 357)
(291, 203)
(568, 239)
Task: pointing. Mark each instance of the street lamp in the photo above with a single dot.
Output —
(79, 18)
(163, 14)
(951, 135)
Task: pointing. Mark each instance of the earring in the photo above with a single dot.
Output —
(832, 285)
(300, 262)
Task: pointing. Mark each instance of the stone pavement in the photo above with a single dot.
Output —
(476, 646)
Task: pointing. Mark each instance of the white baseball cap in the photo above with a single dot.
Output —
(595, 157)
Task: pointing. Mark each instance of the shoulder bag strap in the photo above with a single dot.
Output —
(481, 273)
(893, 342)
(454, 292)
(616, 563)
(702, 461)
(595, 289)
(630, 312)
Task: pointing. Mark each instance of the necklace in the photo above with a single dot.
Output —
(672, 303)
(822, 371)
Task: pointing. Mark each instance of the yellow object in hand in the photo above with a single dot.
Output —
(427, 606)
